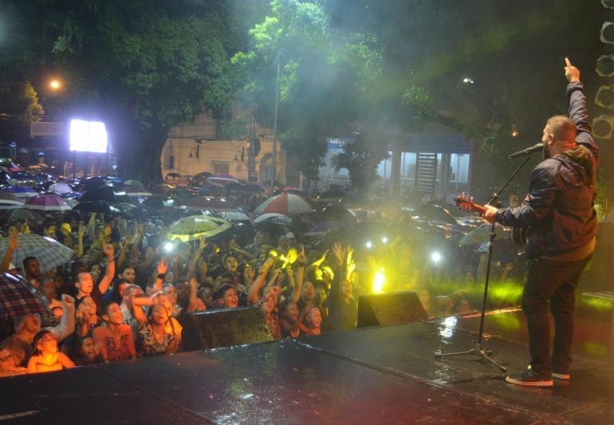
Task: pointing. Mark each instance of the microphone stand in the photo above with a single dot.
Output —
(479, 350)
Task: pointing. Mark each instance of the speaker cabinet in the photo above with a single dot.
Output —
(389, 308)
(223, 328)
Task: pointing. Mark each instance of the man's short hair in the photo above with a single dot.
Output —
(562, 127)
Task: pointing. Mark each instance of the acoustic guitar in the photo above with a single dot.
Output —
(465, 203)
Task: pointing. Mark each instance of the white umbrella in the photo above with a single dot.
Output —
(193, 227)
(60, 188)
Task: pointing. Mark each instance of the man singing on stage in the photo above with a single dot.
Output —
(561, 223)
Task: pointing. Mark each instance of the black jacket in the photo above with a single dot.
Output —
(558, 212)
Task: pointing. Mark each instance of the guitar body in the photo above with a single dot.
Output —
(519, 236)
(465, 203)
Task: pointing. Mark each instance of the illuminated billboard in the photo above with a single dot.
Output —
(88, 136)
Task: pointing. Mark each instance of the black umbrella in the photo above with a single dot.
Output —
(93, 183)
(100, 207)
(103, 193)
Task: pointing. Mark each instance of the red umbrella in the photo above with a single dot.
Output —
(48, 202)
(286, 203)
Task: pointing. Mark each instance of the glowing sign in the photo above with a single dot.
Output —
(88, 136)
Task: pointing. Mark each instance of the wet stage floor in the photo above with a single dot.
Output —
(379, 375)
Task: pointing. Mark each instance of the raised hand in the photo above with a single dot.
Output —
(109, 250)
(571, 72)
(14, 241)
(162, 266)
(338, 251)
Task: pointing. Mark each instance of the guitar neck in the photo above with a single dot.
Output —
(479, 208)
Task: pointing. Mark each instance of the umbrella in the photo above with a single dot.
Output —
(24, 214)
(193, 227)
(50, 253)
(93, 182)
(9, 201)
(101, 207)
(102, 193)
(254, 188)
(49, 202)
(234, 215)
(60, 188)
(332, 195)
(158, 202)
(323, 228)
(21, 191)
(233, 186)
(133, 182)
(137, 193)
(337, 212)
(210, 189)
(286, 203)
(18, 298)
(222, 179)
(211, 204)
(274, 218)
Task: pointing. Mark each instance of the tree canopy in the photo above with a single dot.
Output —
(141, 66)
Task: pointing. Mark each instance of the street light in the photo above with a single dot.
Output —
(55, 84)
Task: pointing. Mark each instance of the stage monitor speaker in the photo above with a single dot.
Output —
(224, 328)
(389, 308)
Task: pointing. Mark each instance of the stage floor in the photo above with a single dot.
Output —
(379, 375)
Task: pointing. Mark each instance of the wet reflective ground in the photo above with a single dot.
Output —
(379, 375)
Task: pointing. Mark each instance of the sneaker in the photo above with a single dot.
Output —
(561, 376)
(529, 379)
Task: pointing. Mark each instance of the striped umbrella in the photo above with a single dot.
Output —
(21, 191)
(9, 201)
(50, 253)
(48, 202)
(286, 204)
(18, 298)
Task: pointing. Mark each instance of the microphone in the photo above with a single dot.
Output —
(528, 151)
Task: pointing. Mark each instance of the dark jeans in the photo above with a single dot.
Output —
(554, 282)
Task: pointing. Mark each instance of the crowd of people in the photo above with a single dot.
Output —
(128, 287)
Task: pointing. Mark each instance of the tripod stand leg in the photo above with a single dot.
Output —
(485, 355)
(439, 354)
(478, 350)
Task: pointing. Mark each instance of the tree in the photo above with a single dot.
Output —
(361, 157)
(141, 66)
(324, 82)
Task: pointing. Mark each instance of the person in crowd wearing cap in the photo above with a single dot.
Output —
(282, 244)
(8, 367)
(27, 326)
(65, 236)
(291, 239)
(47, 357)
